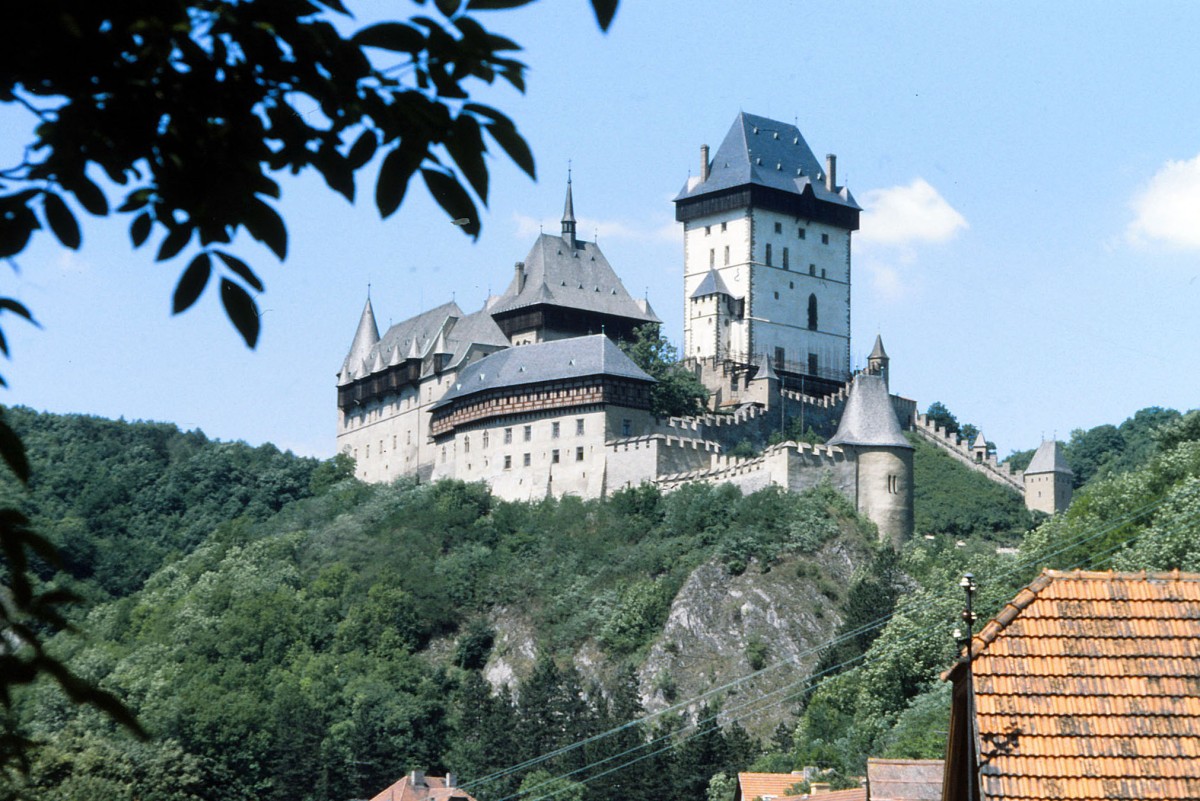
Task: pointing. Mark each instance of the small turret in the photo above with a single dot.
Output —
(877, 362)
(568, 220)
(979, 448)
(1048, 479)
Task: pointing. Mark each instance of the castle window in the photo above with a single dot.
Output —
(393, 442)
(579, 454)
(508, 462)
(528, 433)
(785, 258)
(712, 257)
(707, 230)
(733, 383)
(727, 254)
(485, 439)
(443, 453)
(408, 437)
(554, 430)
(554, 456)
(791, 284)
(768, 254)
(824, 239)
(822, 272)
(893, 485)
(776, 296)
(723, 227)
(812, 269)
(508, 436)
(525, 460)
(779, 228)
(778, 358)
(466, 444)
(626, 427)
(802, 233)
(579, 427)
(812, 312)
(368, 456)
(812, 364)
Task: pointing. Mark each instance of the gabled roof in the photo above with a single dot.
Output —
(766, 152)
(868, 418)
(1049, 458)
(762, 785)
(711, 284)
(980, 441)
(905, 779)
(429, 788)
(1087, 686)
(579, 277)
(557, 360)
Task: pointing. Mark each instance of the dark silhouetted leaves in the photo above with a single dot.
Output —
(265, 225)
(363, 149)
(242, 311)
(61, 221)
(12, 450)
(174, 242)
(394, 36)
(139, 229)
(192, 283)
(453, 199)
(88, 195)
(394, 174)
(605, 11)
(241, 269)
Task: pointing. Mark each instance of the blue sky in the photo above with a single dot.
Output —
(1030, 246)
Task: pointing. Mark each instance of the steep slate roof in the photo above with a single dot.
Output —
(1093, 682)
(433, 788)
(572, 278)
(766, 152)
(878, 352)
(365, 338)
(868, 418)
(1049, 458)
(711, 284)
(905, 779)
(557, 360)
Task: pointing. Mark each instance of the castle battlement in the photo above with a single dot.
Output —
(958, 448)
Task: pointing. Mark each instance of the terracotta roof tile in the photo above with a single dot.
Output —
(854, 794)
(1087, 686)
(761, 785)
(428, 788)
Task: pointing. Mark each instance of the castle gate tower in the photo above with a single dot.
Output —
(767, 257)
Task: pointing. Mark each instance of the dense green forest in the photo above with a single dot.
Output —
(282, 630)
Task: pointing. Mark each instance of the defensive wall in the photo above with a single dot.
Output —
(960, 450)
(797, 466)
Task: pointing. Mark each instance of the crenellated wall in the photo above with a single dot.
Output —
(961, 451)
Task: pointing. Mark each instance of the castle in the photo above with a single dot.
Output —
(532, 394)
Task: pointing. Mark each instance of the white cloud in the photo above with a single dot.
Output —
(902, 215)
(1167, 209)
(589, 228)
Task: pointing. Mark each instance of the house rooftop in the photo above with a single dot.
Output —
(1087, 686)
(905, 779)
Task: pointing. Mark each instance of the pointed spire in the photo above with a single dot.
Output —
(568, 220)
(878, 352)
(365, 337)
(868, 419)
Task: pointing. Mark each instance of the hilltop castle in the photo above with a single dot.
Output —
(532, 394)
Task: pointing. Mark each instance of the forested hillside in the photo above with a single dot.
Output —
(283, 631)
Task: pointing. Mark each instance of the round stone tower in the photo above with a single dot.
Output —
(870, 434)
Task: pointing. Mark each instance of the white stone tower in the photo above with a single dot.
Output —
(1048, 479)
(767, 259)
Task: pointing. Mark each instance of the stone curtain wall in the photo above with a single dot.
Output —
(960, 449)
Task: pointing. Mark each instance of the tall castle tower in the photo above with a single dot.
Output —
(767, 260)
(1048, 479)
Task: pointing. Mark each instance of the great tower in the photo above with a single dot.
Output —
(767, 262)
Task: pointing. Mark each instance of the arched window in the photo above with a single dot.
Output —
(812, 312)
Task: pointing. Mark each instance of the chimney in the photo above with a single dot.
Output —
(830, 172)
(703, 163)
(416, 778)
(519, 269)
(451, 780)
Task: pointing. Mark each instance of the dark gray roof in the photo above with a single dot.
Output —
(766, 152)
(868, 418)
(1049, 458)
(574, 278)
(365, 338)
(560, 359)
(711, 284)
(878, 352)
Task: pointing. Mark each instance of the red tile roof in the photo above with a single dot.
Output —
(1087, 686)
(428, 788)
(762, 785)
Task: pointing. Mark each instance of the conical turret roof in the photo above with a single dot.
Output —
(878, 352)
(364, 338)
(869, 419)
